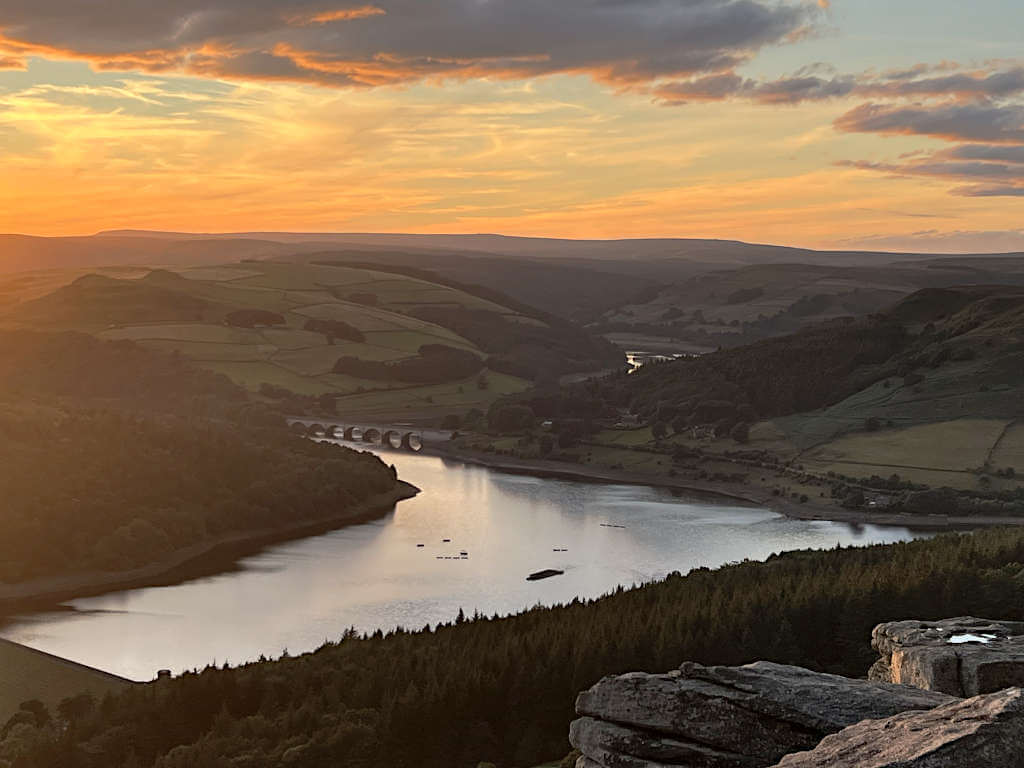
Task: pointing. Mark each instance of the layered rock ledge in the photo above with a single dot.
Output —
(982, 731)
(727, 717)
(963, 657)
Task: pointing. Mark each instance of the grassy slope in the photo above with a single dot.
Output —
(960, 417)
(29, 674)
(855, 290)
(961, 424)
(286, 356)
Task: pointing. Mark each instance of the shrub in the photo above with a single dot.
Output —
(740, 432)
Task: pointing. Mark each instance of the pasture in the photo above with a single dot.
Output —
(286, 355)
(949, 453)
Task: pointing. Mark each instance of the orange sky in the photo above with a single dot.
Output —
(762, 149)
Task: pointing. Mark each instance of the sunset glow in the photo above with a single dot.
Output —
(743, 119)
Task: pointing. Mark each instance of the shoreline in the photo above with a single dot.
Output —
(207, 558)
(736, 492)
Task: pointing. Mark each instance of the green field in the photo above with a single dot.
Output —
(625, 437)
(29, 674)
(429, 401)
(944, 454)
(287, 355)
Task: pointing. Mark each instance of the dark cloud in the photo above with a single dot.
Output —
(985, 170)
(396, 41)
(963, 85)
(786, 90)
(991, 152)
(809, 85)
(710, 88)
(984, 122)
(992, 190)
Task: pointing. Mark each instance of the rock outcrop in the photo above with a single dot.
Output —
(726, 717)
(981, 731)
(961, 657)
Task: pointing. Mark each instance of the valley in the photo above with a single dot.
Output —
(197, 518)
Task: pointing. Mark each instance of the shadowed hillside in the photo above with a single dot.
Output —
(365, 338)
(27, 674)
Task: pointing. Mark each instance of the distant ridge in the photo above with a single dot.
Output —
(612, 248)
(20, 253)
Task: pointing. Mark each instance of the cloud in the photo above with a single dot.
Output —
(937, 241)
(998, 152)
(12, 62)
(942, 169)
(962, 85)
(401, 41)
(809, 85)
(992, 190)
(786, 90)
(343, 14)
(984, 170)
(983, 121)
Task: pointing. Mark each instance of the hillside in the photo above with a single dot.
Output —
(114, 457)
(91, 493)
(639, 249)
(74, 367)
(21, 253)
(382, 343)
(961, 333)
(734, 307)
(27, 674)
(634, 289)
(917, 410)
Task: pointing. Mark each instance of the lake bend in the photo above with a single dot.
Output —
(298, 594)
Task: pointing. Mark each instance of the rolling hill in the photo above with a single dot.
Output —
(624, 286)
(420, 346)
(739, 306)
(929, 393)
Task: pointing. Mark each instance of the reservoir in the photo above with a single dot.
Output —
(296, 595)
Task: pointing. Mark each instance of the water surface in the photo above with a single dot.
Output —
(297, 595)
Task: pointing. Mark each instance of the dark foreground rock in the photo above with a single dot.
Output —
(726, 717)
(962, 657)
(981, 731)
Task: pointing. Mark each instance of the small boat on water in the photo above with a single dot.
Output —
(547, 573)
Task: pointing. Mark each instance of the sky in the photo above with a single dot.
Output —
(889, 125)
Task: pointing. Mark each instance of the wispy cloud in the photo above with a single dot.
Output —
(810, 85)
(981, 121)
